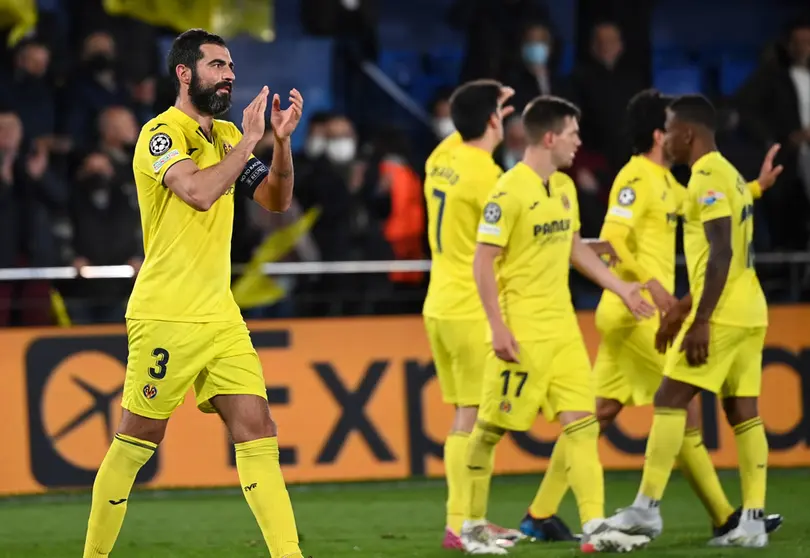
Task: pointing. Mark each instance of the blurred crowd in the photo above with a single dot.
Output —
(71, 107)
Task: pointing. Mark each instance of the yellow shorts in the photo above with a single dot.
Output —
(459, 349)
(628, 369)
(167, 358)
(734, 367)
(553, 376)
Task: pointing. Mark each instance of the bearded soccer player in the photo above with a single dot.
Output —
(640, 224)
(183, 325)
(530, 231)
(460, 175)
(722, 327)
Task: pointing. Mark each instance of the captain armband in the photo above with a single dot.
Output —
(251, 176)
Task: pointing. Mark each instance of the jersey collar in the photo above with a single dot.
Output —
(184, 120)
(654, 167)
(706, 158)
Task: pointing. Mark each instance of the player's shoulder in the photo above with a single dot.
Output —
(227, 127)
(716, 169)
(631, 176)
(563, 181)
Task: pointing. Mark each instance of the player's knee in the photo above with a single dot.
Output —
(674, 394)
(606, 412)
(253, 427)
(465, 418)
(740, 409)
(142, 428)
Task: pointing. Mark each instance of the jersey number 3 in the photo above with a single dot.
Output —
(158, 371)
(442, 197)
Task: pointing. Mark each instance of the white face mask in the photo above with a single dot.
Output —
(443, 127)
(510, 159)
(341, 150)
(101, 198)
(315, 146)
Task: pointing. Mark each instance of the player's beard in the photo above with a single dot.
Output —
(206, 99)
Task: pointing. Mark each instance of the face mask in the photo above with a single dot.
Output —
(443, 127)
(340, 150)
(99, 63)
(535, 53)
(510, 159)
(100, 198)
(315, 146)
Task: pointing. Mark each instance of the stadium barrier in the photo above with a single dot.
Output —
(355, 399)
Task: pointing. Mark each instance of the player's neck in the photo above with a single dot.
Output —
(656, 155)
(701, 149)
(483, 143)
(539, 160)
(206, 121)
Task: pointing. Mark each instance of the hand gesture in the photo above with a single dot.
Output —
(504, 344)
(285, 121)
(505, 95)
(671, 323)
(253, 117)
(768, 173)
(631, 296)
(696, 343)
(661, 297)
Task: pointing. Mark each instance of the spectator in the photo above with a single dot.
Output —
(442, 124)
(101, 208)
(514, 143)
(28, 92)
(775, 107)
(95, 87)
(118, 131)
(10, 139)
(602, 87)
(534, 75)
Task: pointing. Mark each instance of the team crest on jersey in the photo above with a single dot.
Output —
(492, 212)
(505, 407)
(566, 203)
(159, 144)
(149, 391)
(226, 147)
(626, 196)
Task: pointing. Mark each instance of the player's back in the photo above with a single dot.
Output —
(458, 180)
(186, 273)
(535, 225)
(716, 189)
(646, 198)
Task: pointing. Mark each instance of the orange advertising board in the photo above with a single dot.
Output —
(354, 398)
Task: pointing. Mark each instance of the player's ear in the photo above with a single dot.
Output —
(183, 73)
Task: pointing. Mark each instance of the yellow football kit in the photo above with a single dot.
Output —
(183, 325)
(535, 224)
(459, 179)
(738, 323)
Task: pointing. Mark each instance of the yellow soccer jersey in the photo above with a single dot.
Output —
(717, 190)
(535, 226)
(458, 180)
(186, 273)
(646, 198)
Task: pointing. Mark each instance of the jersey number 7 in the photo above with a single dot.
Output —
(442, 197)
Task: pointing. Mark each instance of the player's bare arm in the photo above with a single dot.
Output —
(200, 188)
(588, 263)
(696, 340)
(671, 323)
(276, 191)
(503, 342)
(604, 249)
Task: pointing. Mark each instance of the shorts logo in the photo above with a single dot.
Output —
(492, 213)
(565, 202)
(505, 407)
(149, 391)
(627, 196)
(159, 144)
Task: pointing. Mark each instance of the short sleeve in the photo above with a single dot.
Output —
(497, 219)
(628, 199)
(160, 146)
(707, 190)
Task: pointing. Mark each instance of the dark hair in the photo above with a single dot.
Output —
(186, 51)
(547, 113)
(695, 109)
(646, 113)
(320, 117)
(799, 22)
(472, 105)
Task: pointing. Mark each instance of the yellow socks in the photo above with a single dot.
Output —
(455, 467)
(663, 445)
(585, 473)
(697, 467)
(480, 459)
(111, 490)
(267, 496)
(554, 485)
(752, 450)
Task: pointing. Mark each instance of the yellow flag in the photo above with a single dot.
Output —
(59, 309)
(20, 16)
(227, 18)
(254, 288)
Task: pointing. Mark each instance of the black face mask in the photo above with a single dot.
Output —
(99, 63)
(206, 99)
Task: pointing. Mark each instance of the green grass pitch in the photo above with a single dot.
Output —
(373, 520)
